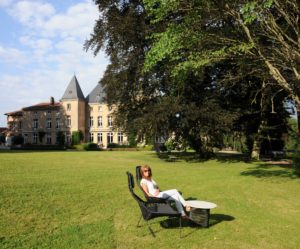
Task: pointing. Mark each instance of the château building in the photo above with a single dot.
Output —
(43, 123)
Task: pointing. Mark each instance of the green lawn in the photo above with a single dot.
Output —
(81, 200)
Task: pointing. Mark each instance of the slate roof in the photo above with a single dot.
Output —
(73, 90)
(42, 106)
(15, 113)
(97, 95)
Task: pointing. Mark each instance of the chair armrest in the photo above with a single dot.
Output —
(155, 200)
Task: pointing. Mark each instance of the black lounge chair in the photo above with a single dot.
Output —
(151, 210)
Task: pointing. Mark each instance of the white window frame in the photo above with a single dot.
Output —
(91, 137)
(35, 123)
(99, 121)
(120, 137)
(69, 121)
(57, 123)
(34, 138)
(99, 137)
(49, 123)
(48, 138)
(91, 124)
(110, 137)
(109, 121)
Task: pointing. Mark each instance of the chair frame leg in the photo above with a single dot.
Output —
(180, 227)
(138, 224)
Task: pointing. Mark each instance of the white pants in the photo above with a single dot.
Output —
(174, 195)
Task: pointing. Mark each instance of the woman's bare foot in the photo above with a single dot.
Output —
(187, 208)
(185, 217)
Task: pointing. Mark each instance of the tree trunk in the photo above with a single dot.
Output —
(298, 121)
(255, 153)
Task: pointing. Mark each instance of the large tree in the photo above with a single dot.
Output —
(149, 102)
(258, 39)
(181, 67)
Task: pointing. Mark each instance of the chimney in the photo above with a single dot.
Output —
(51, 100)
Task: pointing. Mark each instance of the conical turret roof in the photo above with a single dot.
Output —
(97, 95)
(73, 90)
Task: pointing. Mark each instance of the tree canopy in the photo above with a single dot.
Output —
(200, 69)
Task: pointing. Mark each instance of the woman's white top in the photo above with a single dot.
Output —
(151, 185)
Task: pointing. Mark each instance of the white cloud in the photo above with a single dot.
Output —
(5, 3)
(76, 22)
(13, 55)
(31, 14)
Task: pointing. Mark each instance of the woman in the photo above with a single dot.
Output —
(151, 189)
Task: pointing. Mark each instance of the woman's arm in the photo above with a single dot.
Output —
(145, 188)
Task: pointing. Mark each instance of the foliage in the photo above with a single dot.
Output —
(41, 135)
(132, 140)
(296, 159)
(90, 146)
(2, 138)
(17, 140)
(77, 137)
(115, 145)
(60, 138)
(170, 145)
(205, 32)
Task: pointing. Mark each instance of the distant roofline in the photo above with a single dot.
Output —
(42, 106)
(19, 113)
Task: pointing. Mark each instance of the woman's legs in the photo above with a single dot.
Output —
(174, 195)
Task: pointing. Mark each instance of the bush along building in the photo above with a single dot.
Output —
(73, 119)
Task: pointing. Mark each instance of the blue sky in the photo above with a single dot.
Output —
(41, 47)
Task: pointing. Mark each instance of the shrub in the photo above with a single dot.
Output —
(296, 159)
(114, 145)
(77, 137)
(2, 138)
(132, 140)
(170, 145)
(16, 140)
(41, 135)
(60, 138)
(162, 148)
(90, 146)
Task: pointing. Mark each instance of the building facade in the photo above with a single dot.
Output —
(46, 123)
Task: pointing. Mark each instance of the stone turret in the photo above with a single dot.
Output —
(74, 105)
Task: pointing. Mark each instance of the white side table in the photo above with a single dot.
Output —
(200, 211)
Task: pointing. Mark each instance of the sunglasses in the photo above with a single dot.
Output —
(147, 170)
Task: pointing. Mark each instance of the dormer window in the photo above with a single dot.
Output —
(70, 92)
(98, 98)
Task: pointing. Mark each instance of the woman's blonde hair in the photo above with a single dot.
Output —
(143, 167)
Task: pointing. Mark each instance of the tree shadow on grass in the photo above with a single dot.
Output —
(228, 157)
(214, 220)
(176, 156)
(268, 171)
(193, 157)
